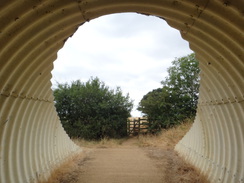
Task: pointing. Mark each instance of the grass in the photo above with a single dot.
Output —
(104, 143)
(167, 138)
(161, 148)
(67, 172)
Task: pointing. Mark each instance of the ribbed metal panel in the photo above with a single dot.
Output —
(32, 140)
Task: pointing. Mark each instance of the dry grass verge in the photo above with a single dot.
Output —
(161, 148)
(104, 143)
(166, 138)
(68, 171)
(174, 167)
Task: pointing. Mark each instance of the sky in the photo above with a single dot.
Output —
(125, 50)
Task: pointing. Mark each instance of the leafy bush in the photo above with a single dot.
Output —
(91, 110)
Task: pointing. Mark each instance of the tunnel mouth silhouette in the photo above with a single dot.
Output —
(32, 139)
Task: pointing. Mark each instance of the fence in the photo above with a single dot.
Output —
(137, 125)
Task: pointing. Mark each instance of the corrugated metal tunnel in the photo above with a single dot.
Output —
(32, 140)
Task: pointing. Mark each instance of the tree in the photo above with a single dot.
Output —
(177, 99)
(183, 80)
(91, 110)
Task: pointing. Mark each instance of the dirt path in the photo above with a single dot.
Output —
(147, 159)
(126, 164)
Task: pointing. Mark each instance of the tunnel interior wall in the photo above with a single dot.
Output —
(32, 140)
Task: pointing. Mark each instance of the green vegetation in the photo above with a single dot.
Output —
(177, 99)
(91, 110)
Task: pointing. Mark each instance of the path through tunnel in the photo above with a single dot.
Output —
(32, 140)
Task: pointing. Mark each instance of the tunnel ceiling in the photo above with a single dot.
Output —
(32, 140)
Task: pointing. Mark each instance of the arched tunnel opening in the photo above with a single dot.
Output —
(32, 140)
(127, 50)
(135, 58)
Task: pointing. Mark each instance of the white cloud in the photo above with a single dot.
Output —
(127, 50)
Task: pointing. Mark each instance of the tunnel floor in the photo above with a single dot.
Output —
(125, 164)
(131, 163)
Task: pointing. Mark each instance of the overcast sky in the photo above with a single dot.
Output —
(128, 50)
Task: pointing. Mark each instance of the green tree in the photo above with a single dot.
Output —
(91, 110)
(183, 81)
(177, 99)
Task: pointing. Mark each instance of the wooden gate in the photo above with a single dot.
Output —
(137, 125)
